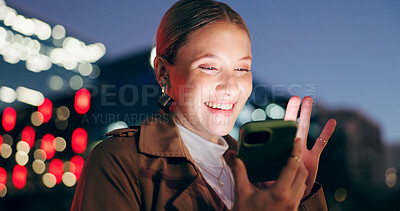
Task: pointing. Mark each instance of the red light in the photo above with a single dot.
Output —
(28, 135)
(82, 101)
(78, 162)
(56, 168)
(3, 176)
(79, 140)
(19, 176)
(46, 108)
(9, 118)
(47, 146)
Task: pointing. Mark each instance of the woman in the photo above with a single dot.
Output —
(176, 159)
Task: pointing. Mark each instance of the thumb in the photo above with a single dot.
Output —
(239, 173)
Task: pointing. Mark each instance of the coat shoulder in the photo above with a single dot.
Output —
(119, 140)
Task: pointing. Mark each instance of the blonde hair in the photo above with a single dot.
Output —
(186, 16)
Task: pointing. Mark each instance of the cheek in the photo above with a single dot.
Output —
(247, 86)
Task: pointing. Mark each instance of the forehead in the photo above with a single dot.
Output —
(215, 39)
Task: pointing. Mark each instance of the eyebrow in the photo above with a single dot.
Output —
(212, 56)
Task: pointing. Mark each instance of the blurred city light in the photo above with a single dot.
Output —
(82, 101)
(47, 146)
(46, 109)
(9, 118)
(28, 135)
(79, 140)
(19, 176)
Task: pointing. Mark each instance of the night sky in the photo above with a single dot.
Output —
(348, 50)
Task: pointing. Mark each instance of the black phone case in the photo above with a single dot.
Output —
(265, 147)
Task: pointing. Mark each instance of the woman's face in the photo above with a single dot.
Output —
(211, 79)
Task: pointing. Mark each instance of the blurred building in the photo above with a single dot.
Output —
(57, 102)
(43, 143)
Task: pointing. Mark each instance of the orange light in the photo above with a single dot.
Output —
(79, 140)
(47, 146)
(56, 168)
(9, 118)
(46, 108)
(82, 101)
(78, 162)
(28, 135)
(19, 176)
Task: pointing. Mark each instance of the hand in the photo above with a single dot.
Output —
(310, 158)
(284, 194)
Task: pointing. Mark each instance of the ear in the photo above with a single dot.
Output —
(161, 70)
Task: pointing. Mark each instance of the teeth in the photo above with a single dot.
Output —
(219, 106)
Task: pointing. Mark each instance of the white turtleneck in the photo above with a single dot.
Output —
(208, 156)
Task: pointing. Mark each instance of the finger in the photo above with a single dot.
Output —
(288, 172)
(242, 183)
(322, 140)
(300, 182)
(292, 108)
(304, 122)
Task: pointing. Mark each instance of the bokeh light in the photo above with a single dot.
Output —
(82, 101)
(9, 118)
(79, 140)
(47, 146)
(19, 176)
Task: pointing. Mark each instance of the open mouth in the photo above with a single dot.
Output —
(220, 106)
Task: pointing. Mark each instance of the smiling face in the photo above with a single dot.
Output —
(211, 79)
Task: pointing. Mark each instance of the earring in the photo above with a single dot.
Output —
(165, 101)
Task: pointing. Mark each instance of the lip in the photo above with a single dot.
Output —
(220, 112)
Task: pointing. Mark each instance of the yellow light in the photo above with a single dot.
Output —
(3, 190)
(38, 166)
(23, 146)
(22, 158)
(391, 177)
(69, 179)
(6, 151)
(340, 194)
(37, 118)
(69, 166)
(59, 144)
(39, 155)
(49, 180)
(63, 113)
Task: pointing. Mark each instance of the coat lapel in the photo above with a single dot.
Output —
(159, 136)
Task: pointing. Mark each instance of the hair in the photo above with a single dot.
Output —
(187, 16)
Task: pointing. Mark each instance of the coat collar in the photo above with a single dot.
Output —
(159, 136)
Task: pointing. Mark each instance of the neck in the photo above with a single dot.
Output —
(183, 121)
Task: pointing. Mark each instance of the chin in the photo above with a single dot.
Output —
(221, 130)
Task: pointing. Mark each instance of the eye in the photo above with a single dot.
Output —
(242, 69)
(207, 68)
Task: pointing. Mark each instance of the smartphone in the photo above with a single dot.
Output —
(265, 146)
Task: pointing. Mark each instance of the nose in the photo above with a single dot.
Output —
(227, 87)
